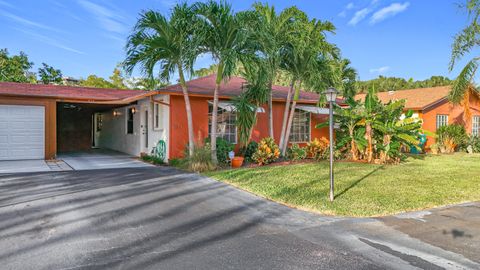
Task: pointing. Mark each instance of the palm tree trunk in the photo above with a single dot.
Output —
(213, 131)
(188, 110)
(285, 114)
(353, 146)
(270, 110)
(289, 127)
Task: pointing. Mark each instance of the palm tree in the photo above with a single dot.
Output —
(169, 44)
(269, 31)
(224, 38)
(467, 40)
(306, 59)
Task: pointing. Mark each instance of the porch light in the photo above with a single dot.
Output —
(331, 94)
(115, 113)
(134, 110)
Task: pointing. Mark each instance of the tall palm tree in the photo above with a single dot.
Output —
(169, 44)
(224, 38)
(269, 31)
(306, 59)
(467, 40)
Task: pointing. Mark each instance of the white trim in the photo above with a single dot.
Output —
(229, 107)
(313, 109)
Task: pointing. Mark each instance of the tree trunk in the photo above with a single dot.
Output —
(270, 111)
(368, 136)
(353, 146)
(213, 131)
(188, 110)
(285, 114)
(289, 127)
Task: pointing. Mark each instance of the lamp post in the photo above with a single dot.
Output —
(331, 95)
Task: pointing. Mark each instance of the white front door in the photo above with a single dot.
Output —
(144, 132)
(22, 132)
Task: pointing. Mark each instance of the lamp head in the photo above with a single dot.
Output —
(331, 94)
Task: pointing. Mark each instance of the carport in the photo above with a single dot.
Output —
(38, 121)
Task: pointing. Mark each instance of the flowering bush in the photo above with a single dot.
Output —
(267, 152)
(318, 149)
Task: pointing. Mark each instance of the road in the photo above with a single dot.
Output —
(162, 218)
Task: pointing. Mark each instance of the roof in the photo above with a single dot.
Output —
(72, 93)
(416, 99)
(204, 86)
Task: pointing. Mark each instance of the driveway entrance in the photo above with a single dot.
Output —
(101, 159)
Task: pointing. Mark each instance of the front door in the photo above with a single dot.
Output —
(144, 129)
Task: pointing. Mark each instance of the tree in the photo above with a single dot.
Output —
(224, 38)
(15, 68)
(270, 32)
(118, 79)
(95, 81)
(170, 43)
(383, 84)
(49, 74)
(306, 59)
(467, 40)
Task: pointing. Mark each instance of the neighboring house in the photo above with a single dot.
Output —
(434, 108)
(39, 121)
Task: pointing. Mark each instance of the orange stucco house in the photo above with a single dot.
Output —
(39, 121)
(434, 108)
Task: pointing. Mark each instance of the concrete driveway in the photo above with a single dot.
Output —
(101, 159)
(161, 218)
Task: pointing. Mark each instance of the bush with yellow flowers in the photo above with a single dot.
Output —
(318, 149)
(267, 152)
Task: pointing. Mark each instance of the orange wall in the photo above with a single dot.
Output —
(455, 115)
(178, 123)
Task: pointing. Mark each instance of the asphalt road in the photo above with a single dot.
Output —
(161, 218)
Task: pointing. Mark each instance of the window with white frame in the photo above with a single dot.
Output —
(156, 116)
(226, 124)
(476, 125)
(300, 131)
(442, 120)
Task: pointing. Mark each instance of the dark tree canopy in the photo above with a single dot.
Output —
(49, 74)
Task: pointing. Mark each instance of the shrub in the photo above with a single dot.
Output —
(473, 144)
(201, 160)
(318, 149)
(223, 148)
(267, 152)
(249, 150)
(295, 152)
(451, 138)
(153, 159)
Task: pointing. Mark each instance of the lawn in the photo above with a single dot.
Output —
(365, 189)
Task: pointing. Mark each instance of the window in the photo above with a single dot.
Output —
(300, 131)
(226, 127)
(156, 116)
(476, 125)
(442, 120)
(130, 113)
(99, 122)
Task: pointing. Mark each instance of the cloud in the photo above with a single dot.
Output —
(26, 22)
(49, 41)
(108, 19)
(350, 6)
(3, 3)
(343, 13)
(388, 11)
(168, 3)
(380, 70)
(359, 16)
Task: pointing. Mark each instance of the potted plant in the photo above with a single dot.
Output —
(435, 149)
(237, 162)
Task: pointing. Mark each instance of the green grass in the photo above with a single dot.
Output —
(365, 189)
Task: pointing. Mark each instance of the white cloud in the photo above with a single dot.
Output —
(350, 5)
(3, 3)
(388, 11)
(359, 16)
(49, 41)
(26, 22)
(108, 19)
(380, 70)
(342, 14)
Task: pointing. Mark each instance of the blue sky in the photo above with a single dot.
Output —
(410, 39)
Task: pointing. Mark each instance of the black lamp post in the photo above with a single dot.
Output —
(331, 95)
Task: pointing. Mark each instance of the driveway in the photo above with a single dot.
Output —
(161, 218)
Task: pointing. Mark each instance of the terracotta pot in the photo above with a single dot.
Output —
(237, 162)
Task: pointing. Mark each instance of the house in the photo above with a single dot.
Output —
(39, 121)
(434, 108)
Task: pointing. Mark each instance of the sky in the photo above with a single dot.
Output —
(409, 39)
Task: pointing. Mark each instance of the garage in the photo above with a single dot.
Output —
(22, 132)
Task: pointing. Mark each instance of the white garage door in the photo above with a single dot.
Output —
(22, 132)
